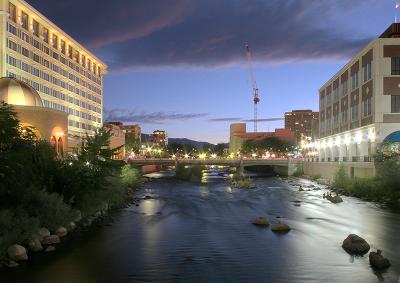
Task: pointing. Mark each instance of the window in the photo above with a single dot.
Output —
(62, 45)
(335, 121)
(45, 34)
(354, 113)
(55, 55)
(367, 72)
(354, 81)
(24, 20)
(12, 61)
(25, 52)
(36, 58)
(345, 87)
(336, 94)
(328, 99)
(83, 61)
(395, 104)
(36, 43)
(12, 11)
(12, 29)
(35, 27)
(395, 65)
(367, 107)
(25, 37)
(46, 50)
(70, 51)
(54, 39)
(89, 65)
(344, 116)
(12, 45)
(76, 56)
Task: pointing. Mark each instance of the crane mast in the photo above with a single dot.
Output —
(256, 99)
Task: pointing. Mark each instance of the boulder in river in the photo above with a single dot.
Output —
(34, 245)
(50, 249)
(17, 253)
(301, 189)
(354, 244)
(261, 221)
(280, 228)
(50, 240)
(71, 226)
(377, 260)
(43, 232)
(61, 232)
(8, 263)
(334, 199)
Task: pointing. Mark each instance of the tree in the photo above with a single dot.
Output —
(132, 144)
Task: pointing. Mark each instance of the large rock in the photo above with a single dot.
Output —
(34, 245)
(71, 226)
(77, 215)
(43, 232)
(17, 252)
(354, 244)
(50, 240)
(61, 232)
(261, 221)
(335, 199)
(50, 249)
(280, 228)
(377, 261)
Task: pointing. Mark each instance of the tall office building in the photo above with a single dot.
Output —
(360, 106)
(301, 123)
(66, 75)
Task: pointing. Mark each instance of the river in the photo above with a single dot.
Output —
(202, 233)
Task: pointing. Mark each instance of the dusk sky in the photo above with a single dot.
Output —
(180, 65)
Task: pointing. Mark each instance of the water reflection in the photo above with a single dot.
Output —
(202, 233)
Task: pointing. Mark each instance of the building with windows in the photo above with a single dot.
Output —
(67, 76)
(301, 123)
(360, 108)
(159, 138)
(133, 131)
(239, 134)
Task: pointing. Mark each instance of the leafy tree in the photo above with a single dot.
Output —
(132, 144)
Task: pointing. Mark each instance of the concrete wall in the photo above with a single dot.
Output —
(327, 170)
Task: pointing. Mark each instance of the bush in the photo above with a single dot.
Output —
(342, 180)
(130, 176)
(299, 171)
(15, 227)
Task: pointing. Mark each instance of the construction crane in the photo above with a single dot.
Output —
(256, 99)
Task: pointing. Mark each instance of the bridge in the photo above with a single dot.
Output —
(284, 167)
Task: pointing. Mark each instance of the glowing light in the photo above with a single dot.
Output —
(173, 155)
(347, 139)
(338, 141)
(186, 156)
(87, 163)
(358, 137)
(254, 155)
(70, 164)
(213, 155)
(202, 155)
(371, 134)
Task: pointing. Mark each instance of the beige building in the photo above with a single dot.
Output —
(133, 131)
(360, 108)
(159, 138)
(47, 124)
(67, 76)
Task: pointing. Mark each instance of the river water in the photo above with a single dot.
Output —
(202, 233)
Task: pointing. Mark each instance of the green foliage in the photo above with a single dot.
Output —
(341, 180)
(130, 176)
(387, 166)
(299, 171)
(132, 144)
(15, 227)
(315, 177)
(38, 189)
(189, 173)
(268, 144)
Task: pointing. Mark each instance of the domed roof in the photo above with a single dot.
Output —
(13, 91)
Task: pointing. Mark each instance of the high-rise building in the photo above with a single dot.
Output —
(360, 106)
(159, 138)
(301, 122)
(66, 75)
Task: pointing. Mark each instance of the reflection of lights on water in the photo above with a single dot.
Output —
(150, 206)
(204, 177)
(229, 189)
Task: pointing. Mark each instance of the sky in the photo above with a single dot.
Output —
(180, 65)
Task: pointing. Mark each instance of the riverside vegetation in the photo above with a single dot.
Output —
(384, 187)
(40, 189)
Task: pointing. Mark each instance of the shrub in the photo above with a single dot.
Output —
(341, 180)
(189, 173)
(299, 171)
(130, 176)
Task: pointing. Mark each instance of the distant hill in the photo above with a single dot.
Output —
(185, 141)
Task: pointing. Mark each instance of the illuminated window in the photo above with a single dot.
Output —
(45, 34)
(35, 27)
(12, 11)
(24, 20)
(62, 43)
(70, 53)
(54, 38)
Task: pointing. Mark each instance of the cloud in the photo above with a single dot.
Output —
(139, 33)
(227, 119)
(132, 116)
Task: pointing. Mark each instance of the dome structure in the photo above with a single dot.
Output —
(16, 92)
